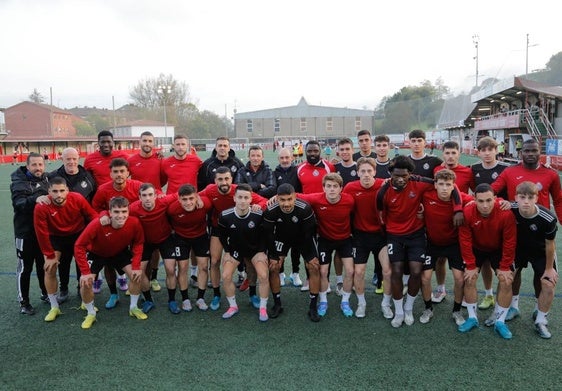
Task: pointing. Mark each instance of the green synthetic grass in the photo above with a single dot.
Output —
(201, 351)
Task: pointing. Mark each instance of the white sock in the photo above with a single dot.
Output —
(263, 302)
(409, 304)
(53, 300)
(323, 296)
(471, 308)
(386, 299)
(501, 312)
(134, 301)
(441, 288)
(541, 317)
(398, 306)
(489, 292)
(345, 296)
(339, 279)
(361, 299)
(515, 301)
(232, 301)
(90, 308)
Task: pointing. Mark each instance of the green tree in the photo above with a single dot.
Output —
(98, 122)
(412, 107)
(83, 128)
(36, 96)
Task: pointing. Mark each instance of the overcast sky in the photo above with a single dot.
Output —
(264, 54)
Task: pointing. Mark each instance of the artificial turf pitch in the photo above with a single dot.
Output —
(201, 351)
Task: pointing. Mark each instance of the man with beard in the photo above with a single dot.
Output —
(290, 223)
(145, 167)
(221, 194)
(182, 167)
(222, 156)
(311, 172)
(57, 225)
(286, 172)
(28, 184)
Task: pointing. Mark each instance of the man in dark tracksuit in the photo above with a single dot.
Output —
(28, 183)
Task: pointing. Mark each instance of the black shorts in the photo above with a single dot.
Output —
(452, 253)
(538, 264)
(407, 248)
(365, 243)
(280, 248)
(494, 257)
(118, 262)
(326, 247)
(64, 244)
(166, 247)
(180, 247)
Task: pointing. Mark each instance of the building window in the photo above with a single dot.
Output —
(329, 124)
(357, 124)
(249, 126)
(276, 125)
(303, 124)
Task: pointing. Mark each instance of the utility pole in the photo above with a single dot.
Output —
(476, 40)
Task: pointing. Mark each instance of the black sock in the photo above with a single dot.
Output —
(147, 295)
(252, 290)
(171, 294)
(184, 294)
(200, 293)
(217, 292)
(154, 274)
(428, 304)
(112, 288)
(456, 307)
(313, 300)
(277, 298)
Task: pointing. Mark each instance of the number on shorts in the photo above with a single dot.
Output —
(235, 254)
(322, 257)
(390, 248)
(427, 259)
(278, 246)
(177, 252)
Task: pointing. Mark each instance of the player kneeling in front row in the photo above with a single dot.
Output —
(290, 222)
(536, 231)
(109, 245)
(241, 234)
(488, 233)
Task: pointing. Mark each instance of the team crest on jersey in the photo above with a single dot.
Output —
(84, 184)
(251, 224)
(233, 169)
(279, 177)
(412, 195)
(426, 166)
(315, 173)
(295, 219)
(353, 173)
(495, 175)
(539, 186)
(247, 174)
(533, 227)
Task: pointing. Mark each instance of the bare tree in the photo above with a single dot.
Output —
(164, 90)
